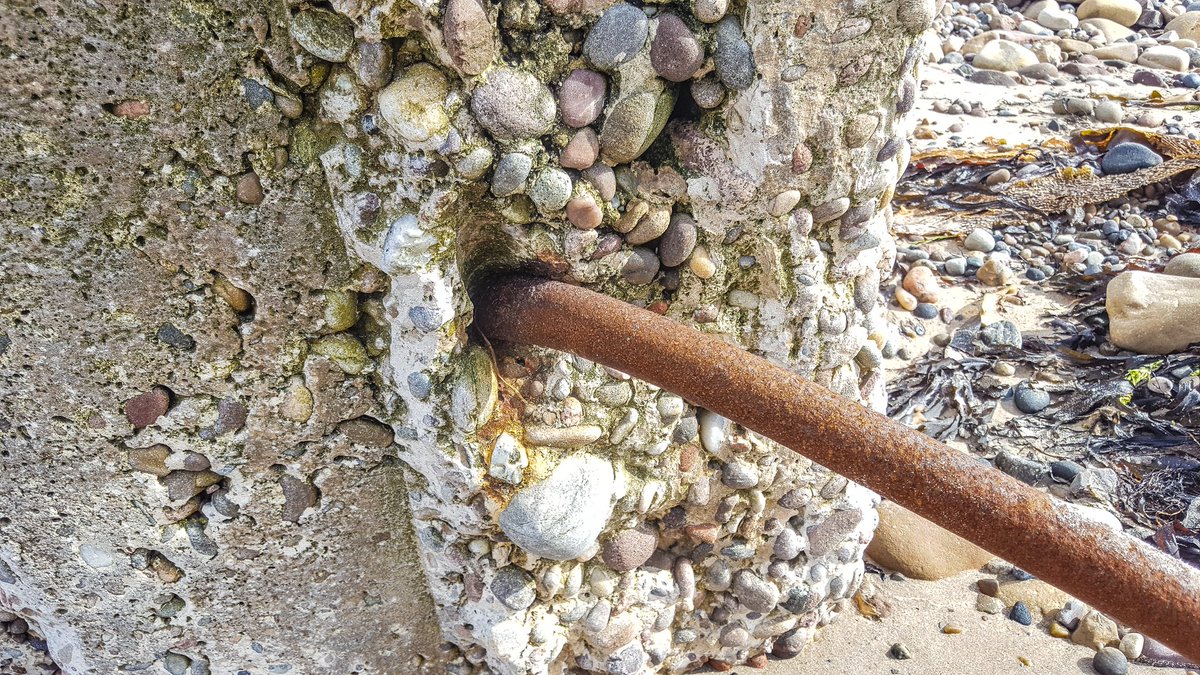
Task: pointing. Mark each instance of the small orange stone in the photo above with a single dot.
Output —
(659, 307)
(704, 532)
(757, 661)
(688, 457)
(720, 666)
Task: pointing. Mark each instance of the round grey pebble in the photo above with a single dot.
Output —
(511, 173)
(1065, 470)
(925, 310)
(1001, 334)
(513, 587)
(641, 267)
(739, 475)
(788, 545)
(513, 104)
(628, 661)
(1029, 400)
(980, 240)
(1127, 158)
(617, 37)
(956, 267)
(1110, 661)
(754, 592)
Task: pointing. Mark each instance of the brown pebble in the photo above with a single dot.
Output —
(757, 661)
(367, 431)
(183, 485)
(629, 548)
(249, 189)
(581, 151)
(675, 53)
(231, 416)
(194, 461)
(720, 666)
(705, 533)
(298, 496)
(583, 212)
(989, 587)
(240, 301)
(151, 460)
(922, 282)
(131, 109)
(145, 409)
(167, 571)
(801, 159)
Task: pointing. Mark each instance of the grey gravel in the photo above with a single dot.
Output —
(754, 592)
(733, 56)
(641, 267)
(617, 37)
(511, 173)
(514, 587)
(1110, 661)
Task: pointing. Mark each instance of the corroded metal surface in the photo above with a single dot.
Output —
(1137, 585)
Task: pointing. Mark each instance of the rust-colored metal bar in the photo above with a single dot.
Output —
(1132, 582)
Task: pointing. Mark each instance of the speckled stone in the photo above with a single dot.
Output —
(628, 549)
(513, 104)
(753, 592)
(734, 58)
(323, 34)
(469, 36)
(513, 587)
(617, 37)
(550, 190)
(675, 53)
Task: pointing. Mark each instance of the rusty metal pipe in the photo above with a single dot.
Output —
(1132, 582)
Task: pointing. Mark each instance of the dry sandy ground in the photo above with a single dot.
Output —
(988, 645)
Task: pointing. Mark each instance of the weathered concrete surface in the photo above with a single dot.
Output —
(123, 134)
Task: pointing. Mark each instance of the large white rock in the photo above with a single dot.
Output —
(1166, 57)
(1004, 55)
(562, 516)
(1153, 313)
(1187, 25)
(1124, 12)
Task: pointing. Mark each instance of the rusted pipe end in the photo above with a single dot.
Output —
(1138, 585)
